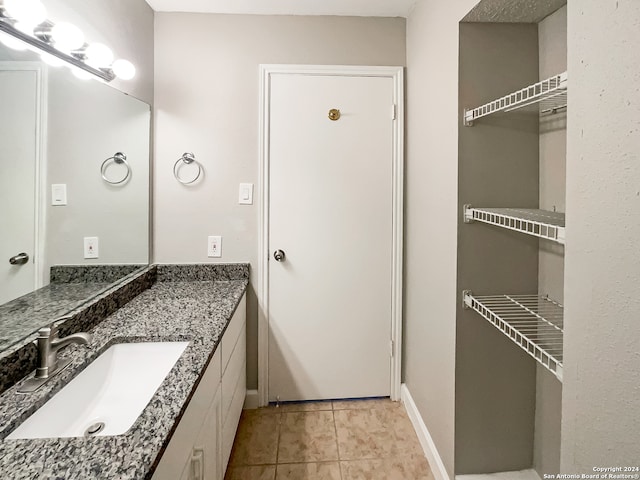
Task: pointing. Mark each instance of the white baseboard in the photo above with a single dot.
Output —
(521, 475)
(251, 401)
(429, 447)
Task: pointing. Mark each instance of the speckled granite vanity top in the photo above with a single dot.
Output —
(192, 303)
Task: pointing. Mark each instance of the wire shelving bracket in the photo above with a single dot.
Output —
(539, 223)
(551, 94)
(532, 322)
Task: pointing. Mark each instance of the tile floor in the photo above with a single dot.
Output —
(339, 440)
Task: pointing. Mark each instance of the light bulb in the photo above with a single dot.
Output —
(51, 60)
(123, 69)
(12, 42)
(30, 12)
(24, 27)
(98, 55)
(67, 37)
(81, 74)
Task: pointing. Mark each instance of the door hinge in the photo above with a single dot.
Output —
(392, 349)
(394, 111)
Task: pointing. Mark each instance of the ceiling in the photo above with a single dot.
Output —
(358, 8)
(513, 11)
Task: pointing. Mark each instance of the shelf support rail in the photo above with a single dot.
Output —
(555, 86)
(547, 231)
(532, 332)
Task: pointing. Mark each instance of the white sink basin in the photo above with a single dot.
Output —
(113, 390)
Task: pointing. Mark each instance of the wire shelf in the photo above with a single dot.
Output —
(550, 94)
(539, 223)
(532, 322)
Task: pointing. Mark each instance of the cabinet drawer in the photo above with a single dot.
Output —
(179, 451)
(232, 332)
(230, 421)
(234, 371)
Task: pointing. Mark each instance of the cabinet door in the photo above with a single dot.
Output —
(206, 456)
(182, 448)
(211, 435)
(195, 466)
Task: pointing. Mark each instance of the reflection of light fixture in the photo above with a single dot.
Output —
(81, 74)
(67, 37)
(27, 12)
(100, 56)
(12, 42)
(23, 25)
(51, 60)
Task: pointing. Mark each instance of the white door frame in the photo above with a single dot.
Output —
(397, 75)
(40, 163)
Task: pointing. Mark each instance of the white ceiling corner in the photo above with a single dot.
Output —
(358, 8)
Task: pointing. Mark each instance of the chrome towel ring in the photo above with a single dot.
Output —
(118, 158)
(186, 159)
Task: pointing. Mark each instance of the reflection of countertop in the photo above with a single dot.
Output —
(71, 287)
(175, 308)
(26, 314)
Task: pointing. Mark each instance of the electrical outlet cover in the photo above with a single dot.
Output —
(91, 247)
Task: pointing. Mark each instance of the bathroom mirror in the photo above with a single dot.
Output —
(74, 189)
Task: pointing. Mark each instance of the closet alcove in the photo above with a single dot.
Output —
(513, 88)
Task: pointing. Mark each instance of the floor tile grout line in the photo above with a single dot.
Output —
(278, 443)
(335, 426)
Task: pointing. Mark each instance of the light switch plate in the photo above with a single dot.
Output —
(91, 247)
(58, 194)
(245, 194)
(214, 246)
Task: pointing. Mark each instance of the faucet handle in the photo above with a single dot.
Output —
(46, 332)
(68, 316)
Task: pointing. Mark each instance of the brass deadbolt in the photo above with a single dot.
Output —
(334, 114)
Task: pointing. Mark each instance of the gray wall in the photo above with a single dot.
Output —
(431, 215)
(552, 37)
(88, 122)
(601, 390)
(126, 26)
(207, 102)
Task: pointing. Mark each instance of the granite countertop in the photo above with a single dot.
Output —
(180, 307)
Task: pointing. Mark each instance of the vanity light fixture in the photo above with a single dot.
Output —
(24, 24)
(99, 55)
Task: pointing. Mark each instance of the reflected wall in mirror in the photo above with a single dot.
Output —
(56, 131)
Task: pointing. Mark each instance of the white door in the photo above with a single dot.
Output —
(18, 150)
(330, 212)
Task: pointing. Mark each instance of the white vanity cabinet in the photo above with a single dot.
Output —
(234, 379)
(202, 442)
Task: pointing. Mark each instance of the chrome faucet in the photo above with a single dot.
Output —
(48, 345)
(48, 362)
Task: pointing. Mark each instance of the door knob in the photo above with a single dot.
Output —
(19, 259)
(279, 255)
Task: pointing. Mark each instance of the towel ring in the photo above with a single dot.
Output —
(119, 158)
(186, 159)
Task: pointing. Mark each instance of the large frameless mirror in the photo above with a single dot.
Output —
(74, 190)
